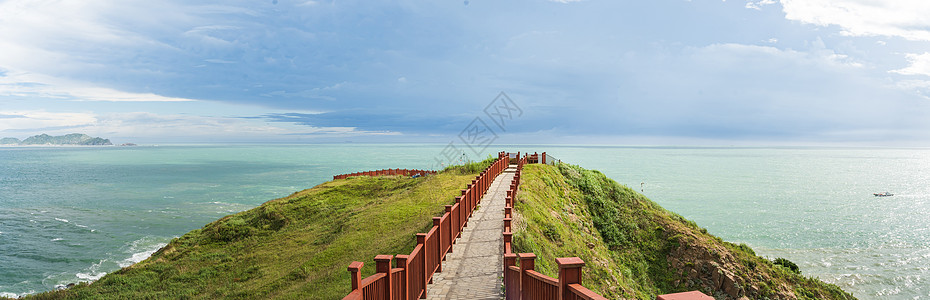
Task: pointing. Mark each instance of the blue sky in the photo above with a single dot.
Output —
(766, 72)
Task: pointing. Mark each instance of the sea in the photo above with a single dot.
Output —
(72, 214)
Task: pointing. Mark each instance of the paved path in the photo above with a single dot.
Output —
(474, 268)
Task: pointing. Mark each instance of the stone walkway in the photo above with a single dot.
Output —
(474, 268)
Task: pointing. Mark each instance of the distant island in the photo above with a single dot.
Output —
(78, 139)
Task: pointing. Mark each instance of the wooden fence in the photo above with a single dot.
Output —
(388, 172)
(523, 282)
(411, 273)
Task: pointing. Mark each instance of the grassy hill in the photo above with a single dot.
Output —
(297, 247)
(635, 249)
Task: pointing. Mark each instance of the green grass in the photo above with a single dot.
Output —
(294, 247)
(633, 248)
(299, 246)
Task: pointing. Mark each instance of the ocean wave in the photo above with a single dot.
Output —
(62, 220)
(57, 239)
(90, 276)
(15, 295)
(142, 249)
(132, 252)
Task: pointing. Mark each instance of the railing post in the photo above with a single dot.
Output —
(510, 259)
(465, 210)
(400, 261)
(437, 222)
(508, 241)
(527, 263)
(461, 213)
(470, 198)
(507, 224)
(475, 183)
(421, 240)
(383, 265)
(569, 272)
(452, 225)
(543, 158)
(508, 212)
(481, 179)
(355, 269)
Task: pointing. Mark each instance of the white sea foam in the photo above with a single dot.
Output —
(56, 239)
(15, 295)
(141, 249)
(79, 225)
(90, 276)
(137, 251)
(62, 220)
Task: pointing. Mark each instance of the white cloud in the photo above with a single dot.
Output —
(757, 5)
(173, 126)
(900, 18)
(68, 36)
(919, 87)
(186, 126)
(12, 120)
(920, 65)
(20, 84)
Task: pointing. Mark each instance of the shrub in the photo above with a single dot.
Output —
(787, 264)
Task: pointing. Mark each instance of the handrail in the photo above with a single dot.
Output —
(580, 292)
(368, 280)
(536, 285)
(543, 278)
(386, 172)
(414, 271)
(411, 273)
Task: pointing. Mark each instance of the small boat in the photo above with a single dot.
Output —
(885, 194)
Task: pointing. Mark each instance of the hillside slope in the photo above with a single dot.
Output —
(297, 247)
(634, 249)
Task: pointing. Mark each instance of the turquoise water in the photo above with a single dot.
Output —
(73, 214)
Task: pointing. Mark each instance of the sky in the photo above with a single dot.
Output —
(661, 72)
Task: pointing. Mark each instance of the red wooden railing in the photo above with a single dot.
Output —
(411, 273)
(388, 172)
(523, 282)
